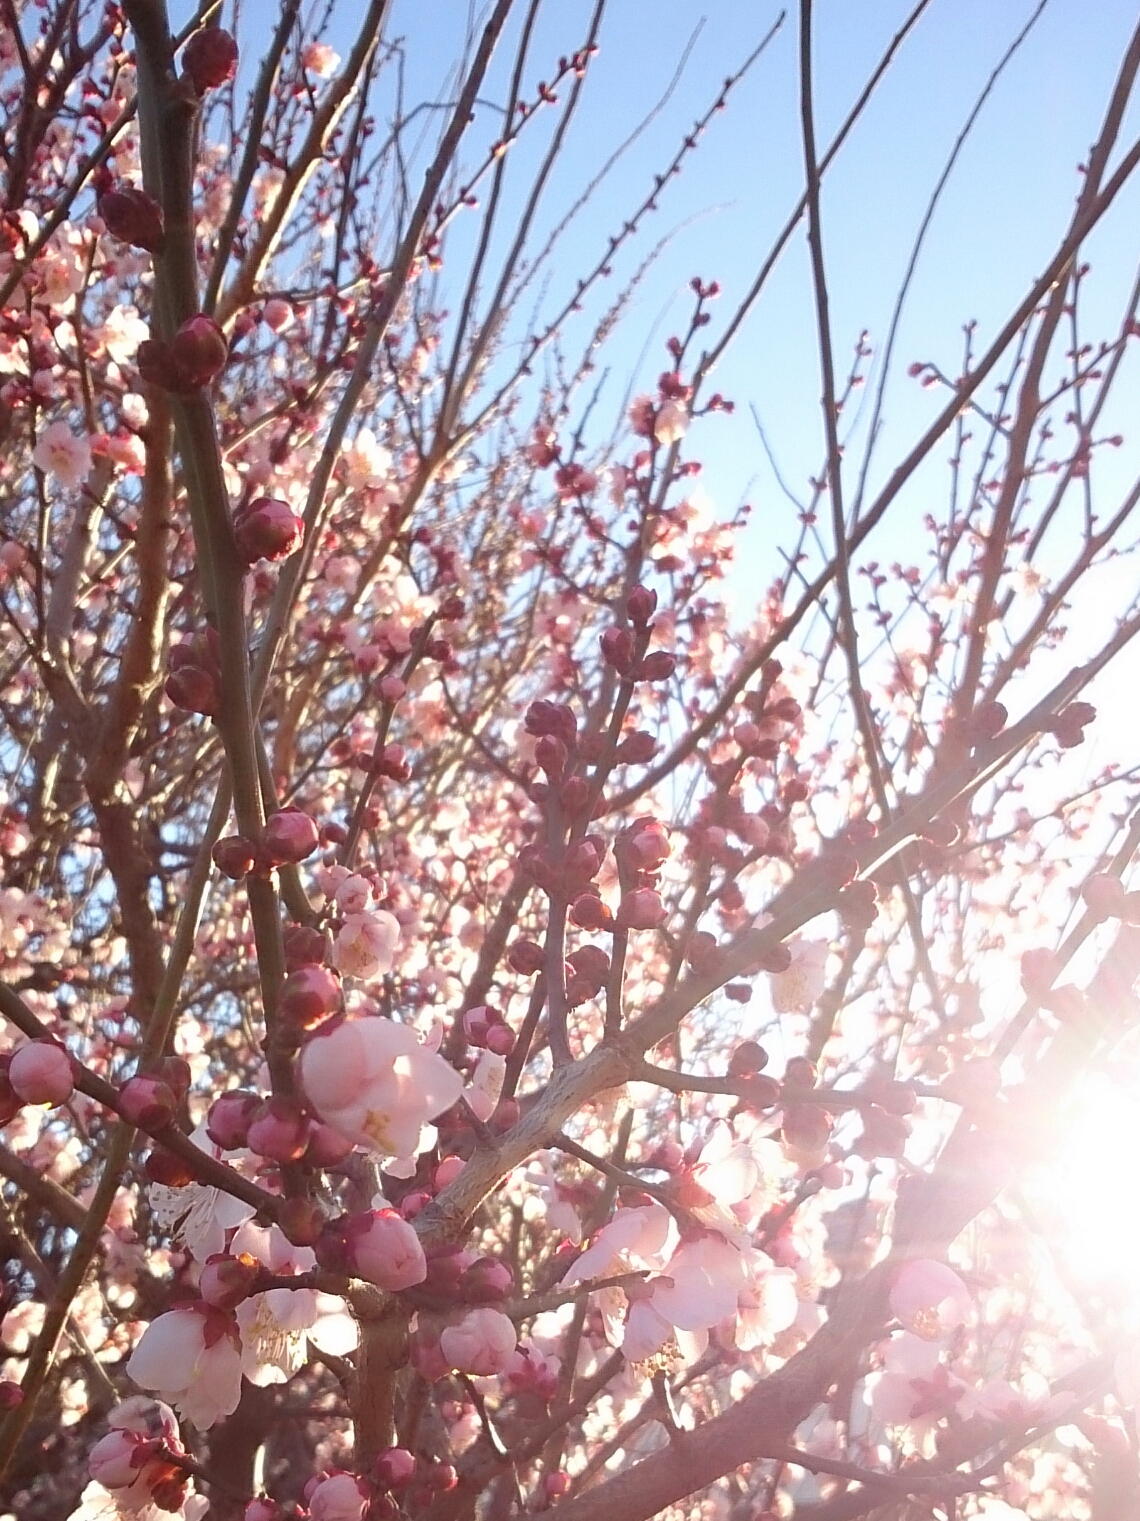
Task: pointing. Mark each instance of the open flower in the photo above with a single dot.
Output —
(191, 1358)
(277, 1326)
(376, 1082)
(63, 454)
(930, 1299)
(199, 1216)
(365, 944)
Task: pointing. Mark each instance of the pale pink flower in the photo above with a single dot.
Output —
(797, 989)
(320, 59)
(482, 1343)
(353, 895)
(930, 1299)
(341, 1497)
(375, 1082)
(199, 1216)
(916, 1389)
(768, 1304)
(277, 1326)
(633, 1238)
(671, 423)
(192, 1359)
(482, 1093)
(63, 454)
(365, 944)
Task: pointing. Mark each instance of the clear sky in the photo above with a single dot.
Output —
(996, 225)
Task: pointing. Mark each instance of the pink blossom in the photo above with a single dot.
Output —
(192, 1358)
(796, 989)
(375, 1082)
(353, 895)
(384, 1249)
(482, 1343)
(930, 1299)
(341, 1497)
(482, 1093)
(366, 944)
(40, 1073)
(278, 1325)
(63, 454)
(320, 59)
(671, 423)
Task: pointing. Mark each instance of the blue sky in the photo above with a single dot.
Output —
(996, 225)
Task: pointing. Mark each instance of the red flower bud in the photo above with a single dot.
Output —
(305, 946)
(658, 666)
(617, 648)
(162, 1166)
(637, 748)
(749, 1058)
(227, 1123)
(289, 836)
(640, 605)
(209, 59)
(235, 856)
(588, 912)
(133, 217)
(551, 755)
(267, 529)
(308, 995)
(148, 1102)
(1104, 895)
(641, 909)
(193, 690)
(279, 1130)
(198, 353)
(526, 957)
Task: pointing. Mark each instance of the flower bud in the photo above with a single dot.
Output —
(148, 1102)
(309, 993)
(748, 1058)
(641, 909)
(193, 690)
(1104, 895)
(235, 856)
(133, 217)
(209, 59)
(41, 1073)
(341, 1497)
(304, 946)
(617, 648)
(267, 529)
(279, 1130)
(394, 1468)
(263, 1509)
(657, 666)
(588, 912)
(225, 1281)
(327, 1147)
(11, 1395)
(114, 1459)
(385, 1250)
(526, 957)
(162, 1166)
(228, 1121)
(198, 352)
(487, 1281)
(637, 749)
(640, 605)
(289, 836)
(551, 756)
(482, 1343)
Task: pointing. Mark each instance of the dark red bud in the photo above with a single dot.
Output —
(640, 605)
(657, 666)
(235, 856)
(209, 59)
(133, 217)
